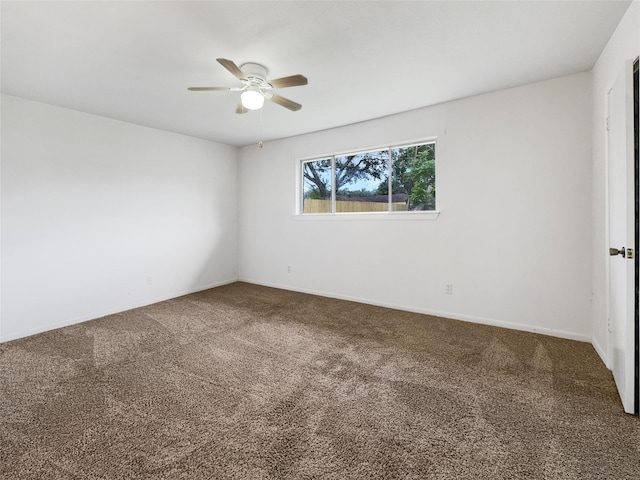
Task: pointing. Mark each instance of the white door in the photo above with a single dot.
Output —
(621, 236)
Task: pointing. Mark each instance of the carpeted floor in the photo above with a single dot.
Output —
(249, 382)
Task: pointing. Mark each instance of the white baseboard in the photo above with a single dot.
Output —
(437, 313)
(452, 315)
(601, 352)
(100, 314)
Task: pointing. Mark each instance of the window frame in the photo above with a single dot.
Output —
(388, 214)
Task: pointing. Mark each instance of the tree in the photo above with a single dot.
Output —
(319, 174)
(413, 173)
(423, 176)
(349, 169)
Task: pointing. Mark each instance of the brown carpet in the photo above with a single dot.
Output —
(249, 382)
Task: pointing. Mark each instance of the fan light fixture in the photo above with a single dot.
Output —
(252, 99)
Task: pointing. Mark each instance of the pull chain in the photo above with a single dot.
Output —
(261, 143)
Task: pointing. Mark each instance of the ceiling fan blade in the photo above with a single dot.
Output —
(241, 109)
(203, 89)
(232, 67)
(285, 102)
(292, 81)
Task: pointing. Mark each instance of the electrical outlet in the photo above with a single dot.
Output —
(149, 280)
(448, 289)
(288, 268)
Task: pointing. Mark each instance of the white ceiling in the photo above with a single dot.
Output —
(133, 61)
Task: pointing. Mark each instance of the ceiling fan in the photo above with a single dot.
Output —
(255, 86)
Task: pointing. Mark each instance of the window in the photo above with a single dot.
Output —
(394, 179)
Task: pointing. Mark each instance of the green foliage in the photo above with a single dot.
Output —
(413, 172)
(356, 193)
(314, 194)
(423, 177)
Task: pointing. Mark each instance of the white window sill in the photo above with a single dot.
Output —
(419, 216)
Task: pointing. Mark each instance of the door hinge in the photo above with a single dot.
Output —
(629, 252)
(608, 124)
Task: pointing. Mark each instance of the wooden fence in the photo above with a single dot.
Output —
(343, 206)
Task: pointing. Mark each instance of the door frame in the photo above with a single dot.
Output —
(636, 167)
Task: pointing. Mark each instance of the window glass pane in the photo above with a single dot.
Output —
(362, 182)
(413, 180)
(316, 186)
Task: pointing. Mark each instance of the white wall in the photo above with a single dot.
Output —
(623, 45)
(92, 207)
(513, 236)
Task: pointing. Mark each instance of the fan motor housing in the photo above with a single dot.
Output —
(255, 72)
